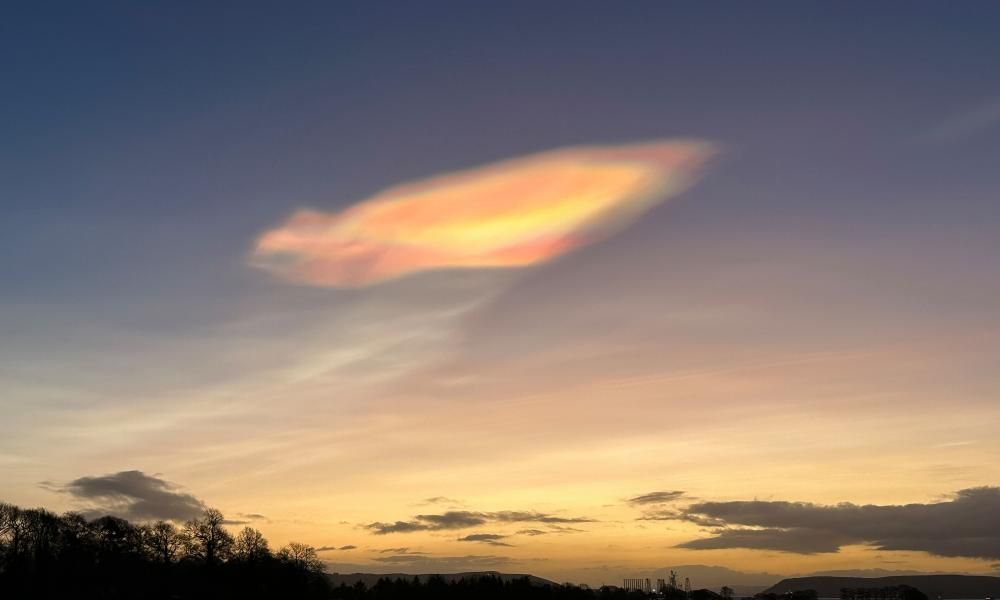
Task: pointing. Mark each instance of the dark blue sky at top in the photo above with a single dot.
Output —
(146, 144)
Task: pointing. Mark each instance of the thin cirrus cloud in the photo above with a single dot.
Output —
(515, 213)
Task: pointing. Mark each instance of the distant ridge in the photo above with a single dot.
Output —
(935, 586)
(371, 579)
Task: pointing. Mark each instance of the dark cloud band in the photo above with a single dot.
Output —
(967, 525)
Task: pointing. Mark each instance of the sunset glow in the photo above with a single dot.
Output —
(585, 290)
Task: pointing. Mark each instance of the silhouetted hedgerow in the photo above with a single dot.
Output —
(479, 588)
(43, 555)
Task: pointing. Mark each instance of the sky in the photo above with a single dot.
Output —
(580, 289)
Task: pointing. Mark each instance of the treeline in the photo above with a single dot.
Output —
(794, 595)
(896, 592)
(478, 588)
(44, 555)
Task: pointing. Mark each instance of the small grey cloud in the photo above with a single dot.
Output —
(494, 539)
(661, 497)
(532, 532)
(464, 519)
(966, 525)
(335, 548)
(252, 516)
(534, 517)
(379, 528)
(666, 514)
(654, 505)
(440, 500)
(402, 550)
(132, 495)
(565, 529)
(453, 519)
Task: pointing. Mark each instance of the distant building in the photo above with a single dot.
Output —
(638, 585)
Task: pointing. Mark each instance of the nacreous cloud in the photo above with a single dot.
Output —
(966, 526)
(514, 213)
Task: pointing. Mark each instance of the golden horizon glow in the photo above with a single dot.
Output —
(513, 213)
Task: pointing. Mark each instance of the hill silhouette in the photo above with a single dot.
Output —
(370, 579)
(935, 586)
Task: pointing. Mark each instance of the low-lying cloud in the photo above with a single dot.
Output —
(402, 550)
(967, 525)
(532, 532)
(336, 548)
(514, 213)
(132, 495)
(465, 519)
(440, 500)
(656, 498)
(493, 539)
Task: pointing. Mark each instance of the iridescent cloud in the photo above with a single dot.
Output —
(514, 213)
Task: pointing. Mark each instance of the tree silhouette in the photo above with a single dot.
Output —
(206, 539)
(43, 556)
(162, 540)
(301, 556)
(251, 546)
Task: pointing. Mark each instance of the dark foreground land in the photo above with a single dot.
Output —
(934, 586)
(70, 557)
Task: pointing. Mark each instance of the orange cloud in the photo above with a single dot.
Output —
(514, 213)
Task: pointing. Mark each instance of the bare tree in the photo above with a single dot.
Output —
(727, 592)
(7, 512)
(42, 528)
(9, 515)
(251, 546)
(162, 541)
(206, 539)
(302, 556)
